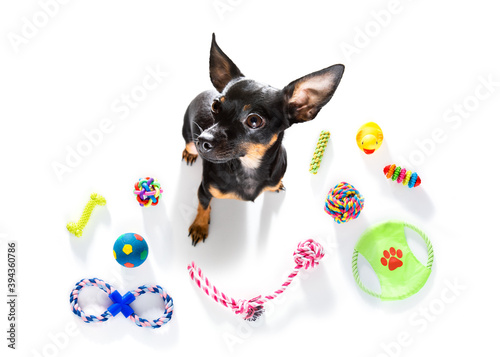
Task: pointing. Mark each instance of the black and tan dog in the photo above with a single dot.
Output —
(238, 129)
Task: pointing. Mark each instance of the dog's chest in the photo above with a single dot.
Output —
(243, 185)
(249, 186)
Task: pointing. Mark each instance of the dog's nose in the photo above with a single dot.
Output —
(204, 145)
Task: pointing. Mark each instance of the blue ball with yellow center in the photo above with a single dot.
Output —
(130, 250)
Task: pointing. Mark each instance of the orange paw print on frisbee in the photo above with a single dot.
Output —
(392, 258)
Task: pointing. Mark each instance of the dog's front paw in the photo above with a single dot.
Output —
(188, 157)
(198, 232)
(199, 228)
(190, 154)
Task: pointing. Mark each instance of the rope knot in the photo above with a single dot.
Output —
(308, 254)
(242, 307)
(344, 203)
(252, 309)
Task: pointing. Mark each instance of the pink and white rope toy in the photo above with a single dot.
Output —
(307, 255)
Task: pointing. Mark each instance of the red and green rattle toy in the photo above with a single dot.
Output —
(401, 175)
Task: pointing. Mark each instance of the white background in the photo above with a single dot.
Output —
(416, 68)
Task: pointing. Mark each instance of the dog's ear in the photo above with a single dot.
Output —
(306, 96)
(222, 69)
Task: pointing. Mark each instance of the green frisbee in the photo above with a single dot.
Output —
(386, 249)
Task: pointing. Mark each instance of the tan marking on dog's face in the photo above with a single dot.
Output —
(247, 107)
(218, 194)
(255, 152)
(222, 99)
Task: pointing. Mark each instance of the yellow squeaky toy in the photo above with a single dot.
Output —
(76, 228)
(369, 137)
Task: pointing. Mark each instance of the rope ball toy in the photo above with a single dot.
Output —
(402, 175)
(77, 228)
(324, 136)
(148, 192)
(344, 203)
(121, 303)
(307, 255)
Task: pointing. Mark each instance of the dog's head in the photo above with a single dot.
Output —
(250, 117)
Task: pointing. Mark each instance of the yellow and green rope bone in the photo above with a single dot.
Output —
(324, 136)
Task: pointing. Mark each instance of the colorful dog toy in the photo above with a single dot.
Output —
(344, 203)
(148, 192)
(307, 255)
(121, 303)
(386, 249)
(402, 176)
(324, 136)
(369, 137)
(77, 228)
(130, 250)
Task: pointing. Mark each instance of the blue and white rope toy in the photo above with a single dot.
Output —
(121, 303)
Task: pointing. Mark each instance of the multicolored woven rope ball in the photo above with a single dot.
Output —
(148, 192)
(344, 203)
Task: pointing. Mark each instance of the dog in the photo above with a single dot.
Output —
(238, 129)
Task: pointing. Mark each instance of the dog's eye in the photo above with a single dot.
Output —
(216, 106)
(254, 121)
